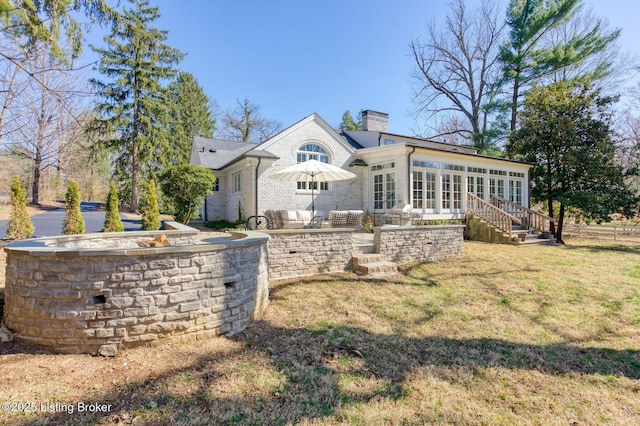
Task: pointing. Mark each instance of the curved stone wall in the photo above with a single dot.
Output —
(96, 293)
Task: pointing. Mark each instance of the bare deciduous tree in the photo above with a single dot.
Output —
(457, 69)
(244, 123)
(43, 119)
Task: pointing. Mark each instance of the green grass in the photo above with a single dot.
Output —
(505, 335)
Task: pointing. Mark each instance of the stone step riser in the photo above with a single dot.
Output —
(377, 267)
(358, 250)
(364, 259)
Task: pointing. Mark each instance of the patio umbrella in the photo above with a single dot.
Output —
(312, 171)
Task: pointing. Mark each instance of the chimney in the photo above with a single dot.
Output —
(375, 121)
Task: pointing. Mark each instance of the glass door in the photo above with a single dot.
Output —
(384, 191)
(451, 192)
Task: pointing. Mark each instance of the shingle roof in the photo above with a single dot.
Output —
(217, 154)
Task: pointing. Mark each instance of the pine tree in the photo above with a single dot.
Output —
(20, 225)
(73, 220)
(524, 58)
(112, 221)
(150, 212)
(190, 116)
(135, 106)
(348, 123)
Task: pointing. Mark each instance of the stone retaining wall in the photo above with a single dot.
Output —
(176, 233)
(412, 244)
(97, 300)
(302, 252)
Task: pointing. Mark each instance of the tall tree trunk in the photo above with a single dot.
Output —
(514, 103)
(135, 174)
(560, 224)
(552, 227)
(35, 187)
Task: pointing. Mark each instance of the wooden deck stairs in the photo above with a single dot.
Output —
(505, 222)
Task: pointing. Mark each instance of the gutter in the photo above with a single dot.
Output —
(256, 186)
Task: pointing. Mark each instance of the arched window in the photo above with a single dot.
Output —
(311, 151)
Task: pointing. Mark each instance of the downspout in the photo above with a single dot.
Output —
(409, 173)
(205, 208)
(256, 186)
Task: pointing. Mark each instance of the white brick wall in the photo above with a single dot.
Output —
(278, 195)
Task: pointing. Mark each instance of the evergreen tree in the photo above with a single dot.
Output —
(150, 212)
(190, 116)
(135, 106)
(348, 123)
(73, 221)
(566, 132)
(41, 22)
(112, 221)
(20, 225)
(525, 60)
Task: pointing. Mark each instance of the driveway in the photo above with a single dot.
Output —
(49, 223)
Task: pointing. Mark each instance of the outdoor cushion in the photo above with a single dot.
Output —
(354, 219)
(303, 216)
(289, 218)
(338, 218)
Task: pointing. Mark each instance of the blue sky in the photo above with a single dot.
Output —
(295, 57)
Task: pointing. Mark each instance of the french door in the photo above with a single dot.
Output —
(451, 192)
(384, 190)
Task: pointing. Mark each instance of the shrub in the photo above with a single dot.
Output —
(150, 212)
(112, 221)
(73, 220)
(186, 186)
(223, 225)
(20, 225)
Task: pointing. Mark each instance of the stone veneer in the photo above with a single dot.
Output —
(412, 244)
(302, 252)
(96, 293)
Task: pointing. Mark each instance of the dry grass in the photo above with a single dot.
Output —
(505, 335)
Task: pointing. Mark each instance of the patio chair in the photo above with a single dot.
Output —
(275, 220)
(315, 223)
(416, 219)
(354, 219)
(338, 218)
(257, 222)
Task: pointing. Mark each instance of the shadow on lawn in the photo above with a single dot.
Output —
(635, 249)
(306, 358)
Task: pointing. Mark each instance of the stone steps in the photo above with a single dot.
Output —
(373, 263)
(377, 267)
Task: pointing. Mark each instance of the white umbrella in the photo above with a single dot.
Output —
(312, 171)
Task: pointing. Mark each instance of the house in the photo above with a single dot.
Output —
(393, 172)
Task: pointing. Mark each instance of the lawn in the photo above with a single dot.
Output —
(505, 335)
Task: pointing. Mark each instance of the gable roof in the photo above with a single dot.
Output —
(312, 117)
(216, 154)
